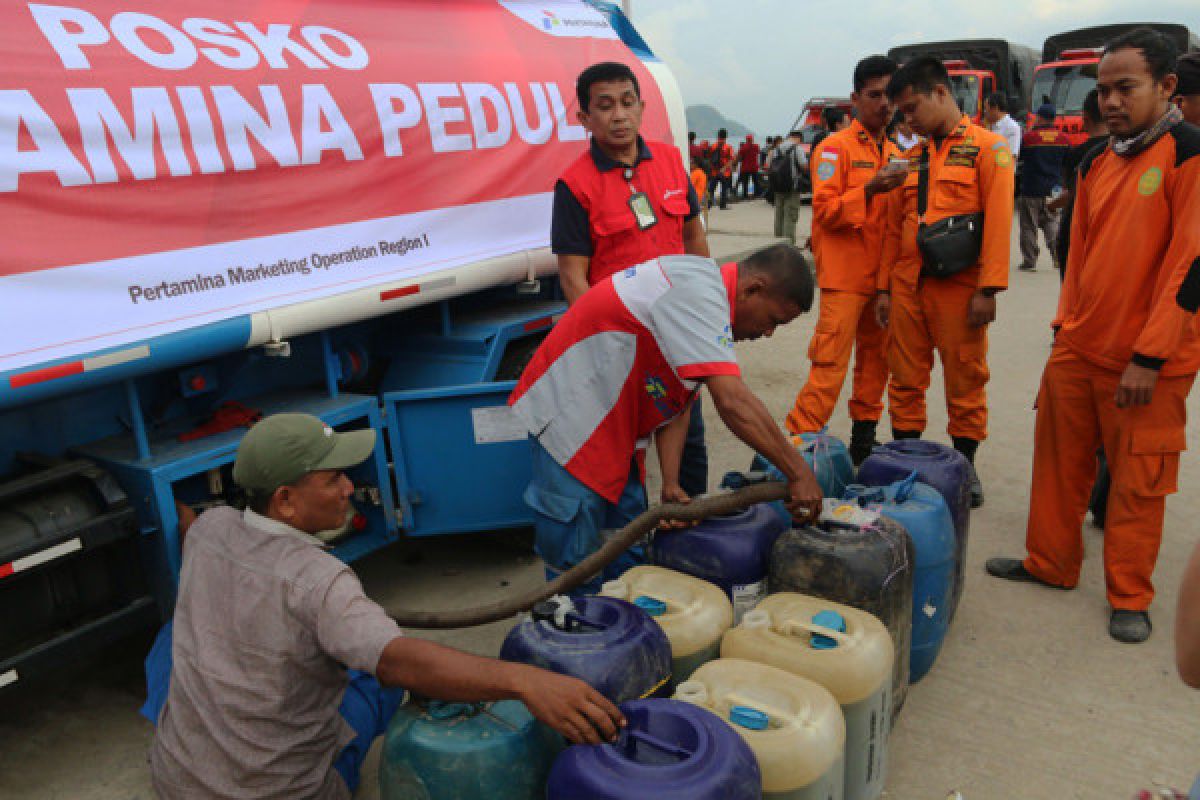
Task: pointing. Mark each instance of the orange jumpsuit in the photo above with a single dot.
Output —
(847, 236)
(971, 171)
(1130, 295)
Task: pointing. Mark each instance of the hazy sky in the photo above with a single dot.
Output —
(757, 61)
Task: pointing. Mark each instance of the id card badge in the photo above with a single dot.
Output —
(639, 204)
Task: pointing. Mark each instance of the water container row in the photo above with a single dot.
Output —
(797, 706)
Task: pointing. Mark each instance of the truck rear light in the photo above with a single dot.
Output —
(1081, 53)
(955, 63)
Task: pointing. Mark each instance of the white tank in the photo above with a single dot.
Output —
(847, 651)
(692, 612)
(793, 725)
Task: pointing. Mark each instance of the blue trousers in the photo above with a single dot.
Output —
(570, 520)
(367, 706)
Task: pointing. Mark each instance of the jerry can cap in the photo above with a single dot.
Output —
(652, 606)
(750, 718)
(827, 619)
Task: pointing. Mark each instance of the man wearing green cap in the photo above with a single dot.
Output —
(278, 659)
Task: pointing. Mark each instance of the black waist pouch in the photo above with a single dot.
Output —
(950, 245)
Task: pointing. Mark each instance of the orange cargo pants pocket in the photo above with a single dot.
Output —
(1154, 461)
(823, 349)
(970, 373)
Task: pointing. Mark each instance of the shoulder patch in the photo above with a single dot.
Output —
(1187, 142)
(825, 170)
(1003, 158)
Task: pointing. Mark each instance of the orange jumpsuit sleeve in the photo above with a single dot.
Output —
(996, 177)
(1178, 290)
(834, 206)
(893, 227)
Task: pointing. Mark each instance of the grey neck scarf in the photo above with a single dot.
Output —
(1128, 148)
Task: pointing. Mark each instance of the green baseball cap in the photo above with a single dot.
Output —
(283, 448)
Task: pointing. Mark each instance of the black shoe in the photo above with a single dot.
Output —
(1013, 569)
(862, 440)
(976, 488)
(1131, 627)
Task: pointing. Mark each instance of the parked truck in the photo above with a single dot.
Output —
(216, 211)
(1068, 69)
(979, 67)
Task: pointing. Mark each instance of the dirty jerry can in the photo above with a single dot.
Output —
(846, 650)
(609, 644)
(923, 513)
(936, 465)
(669, 750)
(694, 614)
(793, 724)
(444, 751)
(731, 551)
(861, 559)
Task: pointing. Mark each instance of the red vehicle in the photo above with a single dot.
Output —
(979, 67)
(1068, 69)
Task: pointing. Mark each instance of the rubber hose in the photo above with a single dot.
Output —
(699, 509)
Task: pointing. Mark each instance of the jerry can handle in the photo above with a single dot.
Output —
(634, 737)
(791, 625)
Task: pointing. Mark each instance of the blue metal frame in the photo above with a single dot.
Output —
(447, 481)
(150, 480)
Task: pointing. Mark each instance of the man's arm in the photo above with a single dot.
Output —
(893, 227)
(1187, 623)
(669, 441)
(566, 704)
(1174, 307)
(571, 241)
(749, 420)
(996, 176)
(572, 276)
(695, 240)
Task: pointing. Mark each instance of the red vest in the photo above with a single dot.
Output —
(617, 242)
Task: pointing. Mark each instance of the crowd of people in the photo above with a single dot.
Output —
(912, 215)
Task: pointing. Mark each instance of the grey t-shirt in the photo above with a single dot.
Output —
(266, 624)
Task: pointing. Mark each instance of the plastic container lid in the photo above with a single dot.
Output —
(750, 718)
(827, 619)
(652, 606)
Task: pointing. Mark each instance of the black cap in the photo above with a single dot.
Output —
(1188, 70)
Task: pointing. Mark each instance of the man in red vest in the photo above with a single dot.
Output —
(623, 202)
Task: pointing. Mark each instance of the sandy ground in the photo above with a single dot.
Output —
(1030, 698)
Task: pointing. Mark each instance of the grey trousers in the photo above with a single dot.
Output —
(1033, 216)
(787, 212)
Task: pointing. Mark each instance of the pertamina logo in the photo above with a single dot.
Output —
(571, 20)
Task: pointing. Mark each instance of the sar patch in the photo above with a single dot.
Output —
(1150, 181)
(1003, 158)
(862, 164)
(960, 161)
(964, 150)
(825, 170)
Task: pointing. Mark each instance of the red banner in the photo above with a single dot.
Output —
(130, 136)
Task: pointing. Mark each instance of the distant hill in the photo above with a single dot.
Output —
(706, 121)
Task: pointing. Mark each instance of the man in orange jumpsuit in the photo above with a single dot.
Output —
(853, 170)
(1127, 347)
(969, 170)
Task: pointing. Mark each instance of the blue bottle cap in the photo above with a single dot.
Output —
(827, 619)
(652, 606)
(750, 718)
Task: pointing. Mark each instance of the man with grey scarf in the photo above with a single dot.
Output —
(1126, 348)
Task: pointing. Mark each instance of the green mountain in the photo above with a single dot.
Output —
(706, 121)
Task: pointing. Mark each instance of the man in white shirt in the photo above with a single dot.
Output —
(995, 114)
